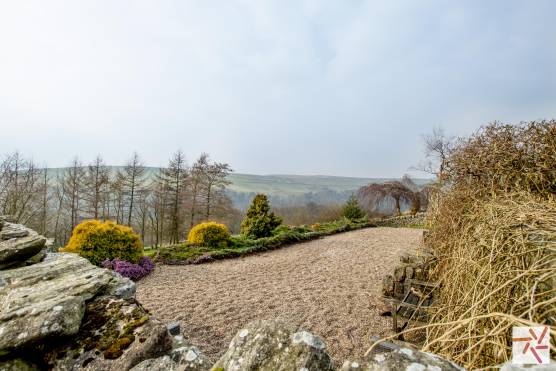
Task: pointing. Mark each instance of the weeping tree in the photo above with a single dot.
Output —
(374, 195)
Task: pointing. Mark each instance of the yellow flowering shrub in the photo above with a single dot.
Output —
(98, 241)
(209, 234)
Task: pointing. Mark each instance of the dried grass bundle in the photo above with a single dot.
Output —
(497, 268)
(494, 234)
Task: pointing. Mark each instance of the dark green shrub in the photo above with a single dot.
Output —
(351, 209)
(281, 229)
(259, 221)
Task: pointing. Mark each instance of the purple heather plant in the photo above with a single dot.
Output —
(147, 264)
(130, 270)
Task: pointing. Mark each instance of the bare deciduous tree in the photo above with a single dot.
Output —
(45, 198)
(117, 196)
(133, 177)
(156, 211)
(97, 179)
(73, 189)
(19, 188)
(195, 183)
(438, 147)
(214, 175)
(174, 177)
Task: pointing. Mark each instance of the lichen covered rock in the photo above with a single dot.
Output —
(11, 230)
(116, 334)
(17, 365)
(186, 358)
(16, 250)
(163, 363)
(189, 358)
(272, 345)
(403, 358)
(47, 299)
(58, 311)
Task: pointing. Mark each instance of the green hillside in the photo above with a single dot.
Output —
(285, 190)
(295, 184)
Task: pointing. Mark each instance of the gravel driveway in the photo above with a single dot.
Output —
(330, 286)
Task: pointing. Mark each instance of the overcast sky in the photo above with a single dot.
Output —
(341, 87)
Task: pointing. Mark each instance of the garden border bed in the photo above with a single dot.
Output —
(257, 246)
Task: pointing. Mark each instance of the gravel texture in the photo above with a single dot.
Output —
(330, 286)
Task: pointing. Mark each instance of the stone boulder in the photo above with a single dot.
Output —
(58, 311)
(186, 358)
(16, 250)
(163, 363)
(17, 365)
(48, 298)
(404, 358)
(19, 245)
(509, 366)
(272, 345)
(116, 334)
(11, 230)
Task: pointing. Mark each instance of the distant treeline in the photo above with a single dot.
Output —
(161, 207)
(161, 204)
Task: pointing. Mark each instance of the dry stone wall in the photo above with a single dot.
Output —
(401, 221)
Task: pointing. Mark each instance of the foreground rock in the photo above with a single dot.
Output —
(64, 313)
(17, 365)
(180, 359)
(11, 230)
(48, 298)
(58, 311)
(272, 345)
(116, 334)
(404, 358)
(16, 250)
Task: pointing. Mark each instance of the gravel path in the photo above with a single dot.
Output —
(330, 286)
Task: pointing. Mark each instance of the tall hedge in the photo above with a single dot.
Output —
(98, 241)
(259, 221)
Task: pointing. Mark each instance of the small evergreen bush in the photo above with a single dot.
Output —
(99, 241)
(259, 221)
(281, 229)
(209, 234)
(351, 209)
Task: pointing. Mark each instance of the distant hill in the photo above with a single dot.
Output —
(295, 184)
(287, 190)
(294, 190)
